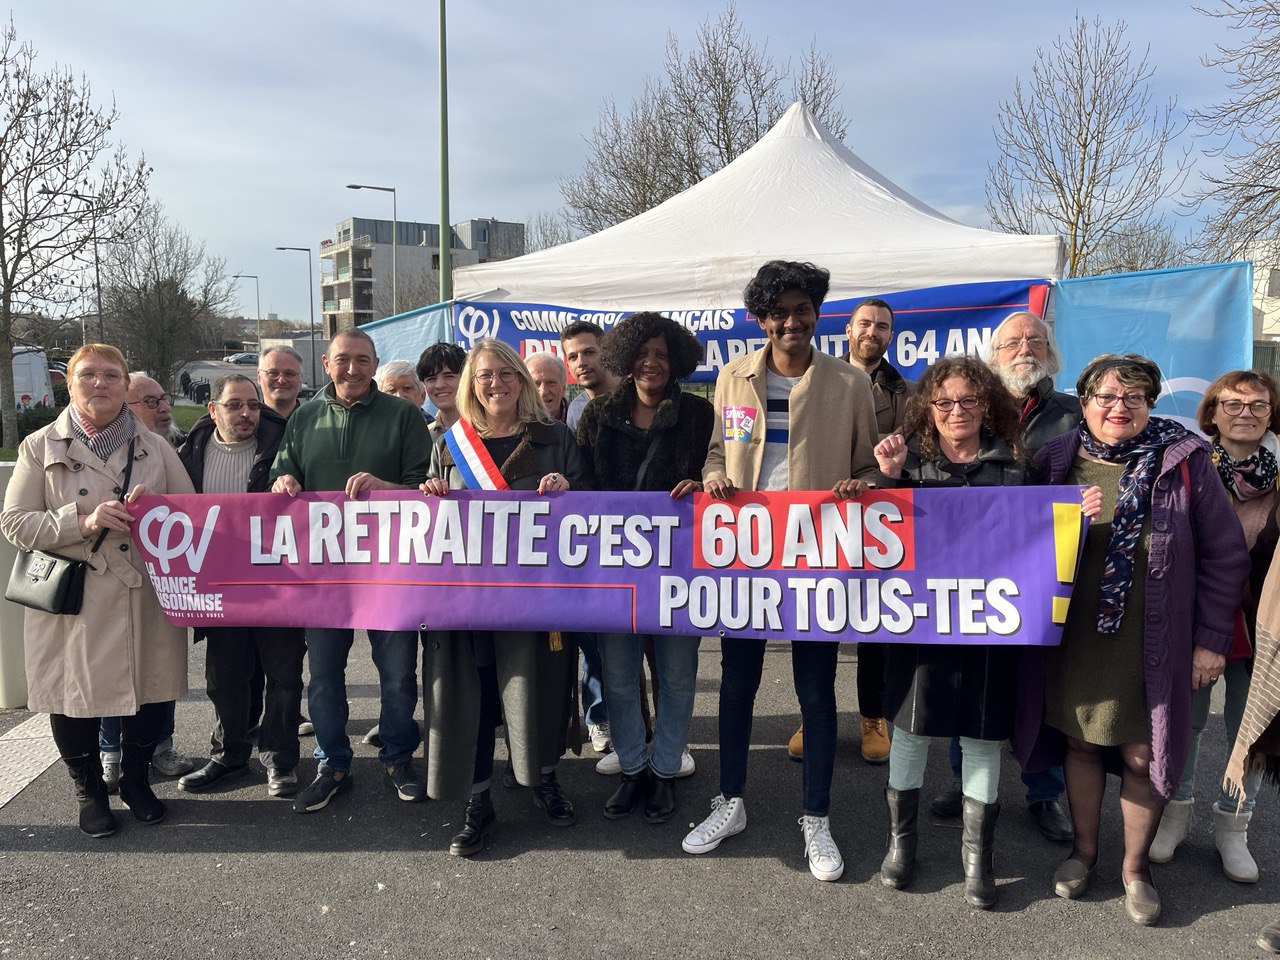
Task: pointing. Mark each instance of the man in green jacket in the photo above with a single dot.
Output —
(355, 438)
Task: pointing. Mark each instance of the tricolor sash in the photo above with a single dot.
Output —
(478, 470)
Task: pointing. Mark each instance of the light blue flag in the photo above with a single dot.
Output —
(405, 335)
(1195, 322)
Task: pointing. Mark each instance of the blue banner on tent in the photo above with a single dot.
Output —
(1195, 322)
(929, 323)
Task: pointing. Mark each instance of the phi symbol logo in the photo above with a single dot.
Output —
(476, 324)
(176, 536)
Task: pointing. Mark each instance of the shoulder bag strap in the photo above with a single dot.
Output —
(124, 489)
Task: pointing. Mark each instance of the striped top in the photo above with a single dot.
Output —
(107, 440)
(227, 465)
(777, 425)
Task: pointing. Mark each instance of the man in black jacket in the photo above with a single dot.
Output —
(231, 451)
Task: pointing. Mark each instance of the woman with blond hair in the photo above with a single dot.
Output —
(474, 680)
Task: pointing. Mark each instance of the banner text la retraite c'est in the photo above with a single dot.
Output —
(977, 565)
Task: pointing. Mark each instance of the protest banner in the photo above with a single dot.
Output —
(935, 566)
(929, 323)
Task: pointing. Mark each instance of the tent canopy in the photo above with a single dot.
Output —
(798, 194)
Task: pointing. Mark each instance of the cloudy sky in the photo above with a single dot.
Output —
(254, 115)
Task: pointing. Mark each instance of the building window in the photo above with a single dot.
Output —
(482, 233)
(435, 261)
(1273, 282)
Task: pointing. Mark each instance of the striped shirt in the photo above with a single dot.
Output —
(777, 424)
(227, 465)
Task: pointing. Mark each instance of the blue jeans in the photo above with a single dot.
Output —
(1236, 676)
(395, 654)
(109, 729)
(813, 669)
(980, 763)
(594, 710)
(622, 655)
(1043, 785)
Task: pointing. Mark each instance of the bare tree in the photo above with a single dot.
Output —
(1084, 151)
(61, 181)
(418, 287)
(545, 229)
(1245, 197)
(1150, 245)
(711, 105)
(163, 295)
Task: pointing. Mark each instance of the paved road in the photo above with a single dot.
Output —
(237, 874)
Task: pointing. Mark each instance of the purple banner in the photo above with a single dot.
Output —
(975, 565)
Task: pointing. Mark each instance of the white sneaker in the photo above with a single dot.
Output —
(825, 861)
(599, 734)
(609, 765)
(687, 766)
(171, 763)
(727, 818)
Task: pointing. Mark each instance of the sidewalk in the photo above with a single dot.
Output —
(237, 874)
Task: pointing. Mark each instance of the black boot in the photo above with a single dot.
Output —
(135, 783)
(624, 799)
(548, 796)
(659, 800)
(476, 827)
(899, 866)
(977, 853)
(96, 818)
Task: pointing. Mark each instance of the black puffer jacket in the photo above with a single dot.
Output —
(1053, 415)
(616, 448)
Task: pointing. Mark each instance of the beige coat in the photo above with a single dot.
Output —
(833, 424)
(120, 652)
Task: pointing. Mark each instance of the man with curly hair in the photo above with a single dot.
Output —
(789, 418)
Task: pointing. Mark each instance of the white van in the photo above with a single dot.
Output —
(31, 383)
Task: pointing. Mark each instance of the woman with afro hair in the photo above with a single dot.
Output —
(647, 434)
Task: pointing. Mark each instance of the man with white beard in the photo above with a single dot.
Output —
(1023, 353)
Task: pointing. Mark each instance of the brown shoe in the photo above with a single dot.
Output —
(795, 746)
(875, 739)
(1141, 902)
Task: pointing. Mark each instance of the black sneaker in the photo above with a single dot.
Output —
(324, 788)
(409, 786)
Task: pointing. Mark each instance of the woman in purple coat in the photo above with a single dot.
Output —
(1151, 618)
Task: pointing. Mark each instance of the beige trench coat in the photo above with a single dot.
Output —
(120, 652)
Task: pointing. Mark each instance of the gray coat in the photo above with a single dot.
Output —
(535, 680)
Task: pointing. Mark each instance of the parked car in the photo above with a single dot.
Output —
(246, 358)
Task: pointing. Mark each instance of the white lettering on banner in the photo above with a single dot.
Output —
(476, 324)
(179, 595)
(284, 542)
(164, 548)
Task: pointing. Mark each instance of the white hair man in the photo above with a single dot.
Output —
(1023, 353)
(550, 377)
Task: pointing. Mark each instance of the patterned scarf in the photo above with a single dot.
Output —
(106, 440)
(1141, 456)
(1249, 477)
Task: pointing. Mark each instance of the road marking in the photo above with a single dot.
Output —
(26, 751)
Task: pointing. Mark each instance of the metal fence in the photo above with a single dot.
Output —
(1266, 357)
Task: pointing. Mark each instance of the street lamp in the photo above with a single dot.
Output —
(257, 293)
(97, 270)
(311, 294)
(395, 298)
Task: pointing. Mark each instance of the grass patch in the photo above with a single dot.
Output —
(8, 454)
(185, 417)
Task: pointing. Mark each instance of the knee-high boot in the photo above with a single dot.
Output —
(135, 783)
(977, 853)
(96, 818)
(899, 866)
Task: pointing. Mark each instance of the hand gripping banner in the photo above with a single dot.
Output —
(972, 565)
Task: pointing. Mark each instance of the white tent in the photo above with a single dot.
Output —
(798, 194)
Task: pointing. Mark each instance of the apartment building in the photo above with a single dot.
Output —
(356, 264)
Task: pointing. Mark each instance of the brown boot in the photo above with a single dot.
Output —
(795, 746)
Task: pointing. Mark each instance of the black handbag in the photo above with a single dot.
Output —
(51, 582)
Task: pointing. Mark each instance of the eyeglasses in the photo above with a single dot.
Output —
(1035, 343)
(88, 376)
(152, 402)
(964, 403)
(235, 406)
(1233, 408)
(281, 374)
(505, 375)
(1132, 401)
